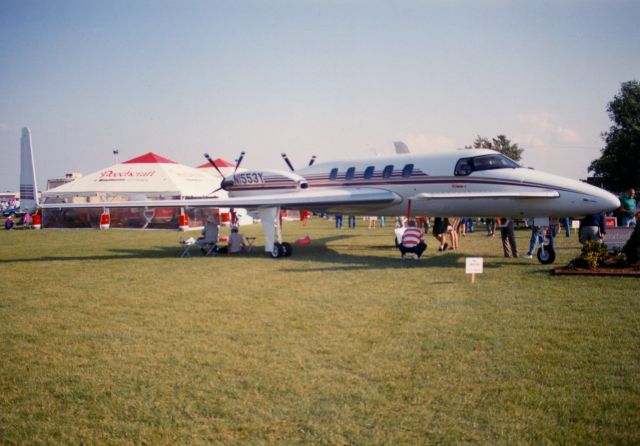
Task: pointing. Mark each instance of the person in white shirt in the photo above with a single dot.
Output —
(209, 236)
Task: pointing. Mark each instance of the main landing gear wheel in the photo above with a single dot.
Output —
(546, 255)
(287, 249)
(281, 250)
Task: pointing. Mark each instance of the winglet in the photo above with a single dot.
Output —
(28, 186)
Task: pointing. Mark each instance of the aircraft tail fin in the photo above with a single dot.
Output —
(401, 147)
(28, 186)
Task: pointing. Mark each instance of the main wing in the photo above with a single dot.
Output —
(305, 199)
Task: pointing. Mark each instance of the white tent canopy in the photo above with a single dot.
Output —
(148, 175)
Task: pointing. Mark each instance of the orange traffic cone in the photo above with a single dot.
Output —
(183, 222)
(105, 220)
(36, 221)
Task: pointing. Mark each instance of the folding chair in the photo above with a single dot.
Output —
(186, 247)
(250, 241)
(211, 249)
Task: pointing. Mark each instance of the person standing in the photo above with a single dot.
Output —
(491, 227)
(567, 226)
(452, 229)
(351, 219)
(592, 227)
(462, 227)
(440, 225)
(538, 237)
(304, 217)
(627, 208)
(339, 221)
(508, 237)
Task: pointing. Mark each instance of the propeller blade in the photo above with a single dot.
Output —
(286, 160)
(215, 190)
(239, 161)
(206, 155)
(313, 160)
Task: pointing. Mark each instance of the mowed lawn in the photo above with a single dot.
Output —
(110, 338)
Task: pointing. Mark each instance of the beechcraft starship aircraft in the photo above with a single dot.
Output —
(462, 183)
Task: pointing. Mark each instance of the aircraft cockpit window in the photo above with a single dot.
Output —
(368, 172)
(350, 173)
(407, 171)
(463, 167)
(484, 162)
(334, 173)
(497, 161)
(387, 171)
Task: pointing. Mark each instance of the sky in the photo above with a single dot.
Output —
(338, 79)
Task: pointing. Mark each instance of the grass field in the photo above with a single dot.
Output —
(110, 338)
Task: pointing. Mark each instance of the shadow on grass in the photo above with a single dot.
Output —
(159, 252)
(351, 261)
(319, 251)
(118, 254)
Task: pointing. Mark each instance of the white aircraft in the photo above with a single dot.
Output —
(460, 183)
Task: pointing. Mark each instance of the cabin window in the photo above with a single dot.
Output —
(333, 174)
(350, 173)
(407, 171)
(465, 166)
(368, 172)
(387, 171)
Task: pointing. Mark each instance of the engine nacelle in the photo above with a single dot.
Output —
(269, 181)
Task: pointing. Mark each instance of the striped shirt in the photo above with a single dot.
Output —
(412, 237)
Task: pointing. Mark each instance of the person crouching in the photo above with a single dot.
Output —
(236, 242)
(412, 241)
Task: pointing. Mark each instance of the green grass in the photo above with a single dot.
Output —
(110, 338)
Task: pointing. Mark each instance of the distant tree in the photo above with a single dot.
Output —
(503, 145)
(619, 166)
(482, 142)
(500, 144)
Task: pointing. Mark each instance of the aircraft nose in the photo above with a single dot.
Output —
(612, 202)
(608, 201)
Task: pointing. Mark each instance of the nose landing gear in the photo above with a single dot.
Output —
(546, 254)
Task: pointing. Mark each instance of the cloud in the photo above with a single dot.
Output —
(540, 129)
(4, 127)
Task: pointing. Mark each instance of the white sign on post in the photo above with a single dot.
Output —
(473, 266)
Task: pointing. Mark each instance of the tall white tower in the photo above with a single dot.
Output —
(28, 186)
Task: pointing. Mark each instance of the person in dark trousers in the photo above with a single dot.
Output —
(412, 241)
(508, 237)
(592, 227)
(491, 227)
